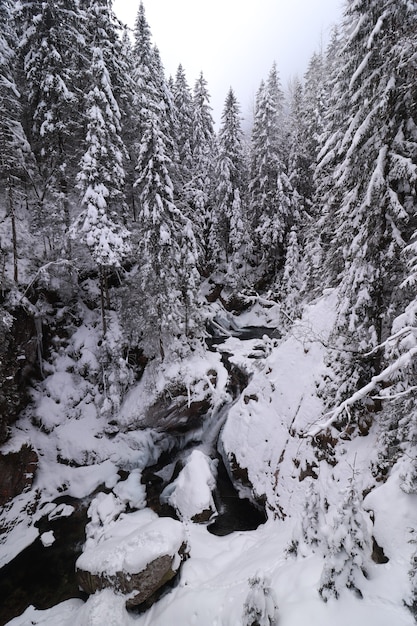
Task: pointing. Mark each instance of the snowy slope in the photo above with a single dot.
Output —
(265, 432)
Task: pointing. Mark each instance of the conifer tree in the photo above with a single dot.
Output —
(271, 193)
(50, 43)
(152, 98)
(300, 161)
(183, 103)
(371, 156)
(228, 230)
(167, 250)
(347, 555)
(322, 94)
(261, 607)
(14, 147)
(292, 276)
(202, 148)
(101, 178)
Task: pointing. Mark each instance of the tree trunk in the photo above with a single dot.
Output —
(102, 299)
(14, 234)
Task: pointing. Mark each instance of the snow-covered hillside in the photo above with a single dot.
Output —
(302, 484)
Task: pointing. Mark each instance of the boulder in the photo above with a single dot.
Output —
(190, 494)
(17, 472)
(136, 555)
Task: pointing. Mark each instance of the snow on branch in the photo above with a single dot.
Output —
(360, 69)
(402, 361)
(392, 339)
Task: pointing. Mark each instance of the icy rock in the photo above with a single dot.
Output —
(137, 555)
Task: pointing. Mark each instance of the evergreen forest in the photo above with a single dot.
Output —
(187, 312)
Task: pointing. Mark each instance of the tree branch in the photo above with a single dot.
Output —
(402, 361)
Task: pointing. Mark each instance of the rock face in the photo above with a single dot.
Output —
(136, 556)
(17, 471)
(18, 358)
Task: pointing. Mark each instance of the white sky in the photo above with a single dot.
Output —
(234, 42)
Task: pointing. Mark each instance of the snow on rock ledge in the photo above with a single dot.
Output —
(136, 555)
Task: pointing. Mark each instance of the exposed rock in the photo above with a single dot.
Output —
(176, 414)
(17, 472)
(135, 556)
(139, 587)
(378, 555)
(240, 479)
(18, 359)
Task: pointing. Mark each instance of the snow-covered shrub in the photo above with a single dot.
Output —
(307, 536)
(261, 607)
(348, 550)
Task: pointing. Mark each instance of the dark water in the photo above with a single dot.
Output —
(234, 513)
(43, 576)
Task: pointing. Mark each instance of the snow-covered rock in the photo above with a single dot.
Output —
(135, 555)
(191, 493)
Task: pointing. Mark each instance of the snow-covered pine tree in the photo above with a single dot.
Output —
(306, 537)
(167, 250)
(14, 147)
(261, 607)
(228, 228)
(292, 277)
(347, 555)
(152, 97)
(321, 96)
(183, 103)
(127, 111)
(50, 44)
(368, 199)
(312, 110)
(101, 178)
(300, 161)
(203, 151)
(103, 28)
(271, 193)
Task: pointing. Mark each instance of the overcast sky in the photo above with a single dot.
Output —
(234, 42)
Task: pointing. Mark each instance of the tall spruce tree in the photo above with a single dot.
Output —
(368, 198)
(14, 147)
(183, 103)
(50, 43)
(167, 252)
(228, 228)
(203, 150)
(271, 193)
(167, 278)
(101, 178)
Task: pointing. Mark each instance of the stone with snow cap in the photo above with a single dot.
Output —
(135, 555)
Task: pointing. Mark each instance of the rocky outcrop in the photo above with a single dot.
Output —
(176, 414)
(18, 359)
(136, 556)
(17, 472)
(137, 587)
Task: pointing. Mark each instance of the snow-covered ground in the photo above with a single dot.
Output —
(265, 432)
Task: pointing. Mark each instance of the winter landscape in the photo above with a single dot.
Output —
(208, 338)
